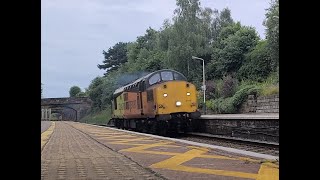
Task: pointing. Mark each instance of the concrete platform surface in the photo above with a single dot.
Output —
(71, 154)
(45, 125)
(242, 116)
(81, 151)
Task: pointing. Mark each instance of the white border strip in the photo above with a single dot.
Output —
(233, 150)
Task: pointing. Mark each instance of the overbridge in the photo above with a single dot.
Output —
(71, 108)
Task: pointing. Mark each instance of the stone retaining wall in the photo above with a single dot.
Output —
(261, 104)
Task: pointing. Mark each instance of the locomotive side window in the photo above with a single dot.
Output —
(115, 103)
(150, 95)
(166, 76)
(154, 79)
(142, 86)
(138, 101)
(178, 77)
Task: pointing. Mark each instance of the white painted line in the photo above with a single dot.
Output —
(233, 150)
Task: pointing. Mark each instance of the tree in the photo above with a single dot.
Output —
(114, 57)
(41, 90)
(272, 24)
(95, 91)
(222, 19)
(257, 64)
(74, 90)
(144, 54)
(229, 51)
(190, 35)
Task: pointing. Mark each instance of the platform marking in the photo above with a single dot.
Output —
(174, 163)
(115, 137)
(267, 170)
(141, 149)
(46, 135)
(129, 140)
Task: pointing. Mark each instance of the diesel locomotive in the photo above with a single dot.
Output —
(160, 102)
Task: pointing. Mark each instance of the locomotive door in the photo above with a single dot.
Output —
(139, 96)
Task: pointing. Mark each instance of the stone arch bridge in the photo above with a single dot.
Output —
(71, 109)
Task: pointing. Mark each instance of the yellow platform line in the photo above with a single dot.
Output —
(268, 171)
(174, 163)
(116, 137)
(130, 140)
(141, 149)
(46, 135)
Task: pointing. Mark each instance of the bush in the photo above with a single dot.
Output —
(225, 87)
(229, 86)
(231, 104)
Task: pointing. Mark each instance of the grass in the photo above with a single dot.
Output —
(270, 86)
(269, 90)
(100, 118)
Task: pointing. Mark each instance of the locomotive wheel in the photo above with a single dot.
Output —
(162, 128)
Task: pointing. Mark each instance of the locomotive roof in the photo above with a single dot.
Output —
(121, 89)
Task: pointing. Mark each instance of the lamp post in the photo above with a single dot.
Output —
(204, 84)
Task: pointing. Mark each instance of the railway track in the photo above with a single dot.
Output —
(237, 143)
(243, 144)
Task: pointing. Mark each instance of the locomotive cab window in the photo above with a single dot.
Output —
(154, 79)
(179, 77)
(166, 76)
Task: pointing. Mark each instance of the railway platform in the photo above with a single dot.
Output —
(242, 116)
(73, 150)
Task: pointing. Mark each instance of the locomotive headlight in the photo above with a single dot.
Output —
(188, 94)
(165, 95)
(178, 103)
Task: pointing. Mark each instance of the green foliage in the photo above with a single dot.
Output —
(272, 32)
(229, 49)
(231, 104)
(190, 35)
(114, 57)
(100, 118)
(231, 56)
(229, 86)
(269, 90)
(228, 54)
(95, 91)
(271, 85)
(257, 64)
(74, 90)
(144, 55)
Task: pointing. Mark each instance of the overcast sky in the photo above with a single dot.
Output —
(75, 32)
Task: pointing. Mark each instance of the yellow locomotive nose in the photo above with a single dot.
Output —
(175, 97)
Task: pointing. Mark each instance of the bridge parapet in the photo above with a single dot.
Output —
(69, 100)
(75, 107)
